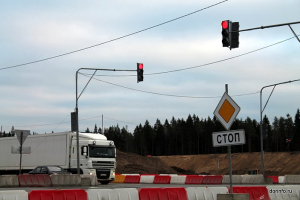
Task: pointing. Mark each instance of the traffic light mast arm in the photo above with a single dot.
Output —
(272, 26)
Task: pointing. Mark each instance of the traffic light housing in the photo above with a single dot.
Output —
(234, 39)
(230, 34)
(140, 72)
(226, 24)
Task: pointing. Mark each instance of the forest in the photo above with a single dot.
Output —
(194, 136)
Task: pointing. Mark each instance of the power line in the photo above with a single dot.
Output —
(206, 64)
(170, 95)
(112, 40)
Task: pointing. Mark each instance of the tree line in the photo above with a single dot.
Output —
(194, 136)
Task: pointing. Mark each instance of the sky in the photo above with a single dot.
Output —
(44, 43)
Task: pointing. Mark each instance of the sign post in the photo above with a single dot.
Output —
(226, 112)
(21, 135)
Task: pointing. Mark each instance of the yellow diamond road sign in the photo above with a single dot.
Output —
(226, 111)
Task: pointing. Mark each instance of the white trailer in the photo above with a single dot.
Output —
(97, 154)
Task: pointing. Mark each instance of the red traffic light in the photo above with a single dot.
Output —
(224, 24)
(141, 65)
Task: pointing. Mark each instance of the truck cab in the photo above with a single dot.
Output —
(97, 156)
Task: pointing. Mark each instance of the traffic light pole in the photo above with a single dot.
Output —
(261, 112)
(76, 108)
(272, 26)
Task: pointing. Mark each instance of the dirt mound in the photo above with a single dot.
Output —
(276, 164)
(129, 163)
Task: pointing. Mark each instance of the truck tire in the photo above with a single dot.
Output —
(104, 182)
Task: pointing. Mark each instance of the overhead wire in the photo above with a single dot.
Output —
(206, 64)
(112, 40)
(170, 95)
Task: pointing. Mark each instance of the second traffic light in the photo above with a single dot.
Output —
(230, 34)
(140, 72)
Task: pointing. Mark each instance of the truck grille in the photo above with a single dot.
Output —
(102, 174)
(103, 164)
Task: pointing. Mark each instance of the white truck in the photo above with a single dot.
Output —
(97, 154)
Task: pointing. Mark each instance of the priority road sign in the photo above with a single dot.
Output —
(226, 111)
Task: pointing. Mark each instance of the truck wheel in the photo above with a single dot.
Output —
(104, 182)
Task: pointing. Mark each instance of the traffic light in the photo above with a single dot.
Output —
(230, 34)
(226, 26)
(140, 72)
(234, 39)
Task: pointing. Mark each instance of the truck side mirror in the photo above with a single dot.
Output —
(84, 150)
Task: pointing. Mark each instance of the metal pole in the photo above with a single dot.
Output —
(261, 112)
(270, 26)
(261, 136)
(76, 108)
(229, 155)
(77, 127)
(21, 152)
(102, 131)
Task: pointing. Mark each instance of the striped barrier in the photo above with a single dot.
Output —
(9, 181)
(119, 179)
(178, 179)
(65, 180)
(31, 180)
(75, 194)
(274, 179)
(255, 192)
(162, 194)
(132, 179)
(236, 179)
(213, 179)
(253, 179)
(292, 179)
(92, 179)
(14, 195)
(162, 179)
(194, 179)
(205, 193)
(113, 194)
(147, 178)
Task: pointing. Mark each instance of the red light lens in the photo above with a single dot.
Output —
(141, 66)
(224, 24)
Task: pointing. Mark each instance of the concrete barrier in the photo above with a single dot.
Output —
(255, 192)
(292, 179)
(93, 179)
(178, 179)
(113, 194)
(65, 180)
(232, 197)
(14, 195)
(213, 179)
(162, 179)
(281, 179)
(194, 179)
(236, 179)
(132, 179)
(253, 179)
(9, 181)
(147, 178)
(75, 194)
(162, 194)
(119, 179)
(205, 193)
(274, 179)
(283, 192)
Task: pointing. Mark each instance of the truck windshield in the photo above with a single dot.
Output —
(102, 152)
